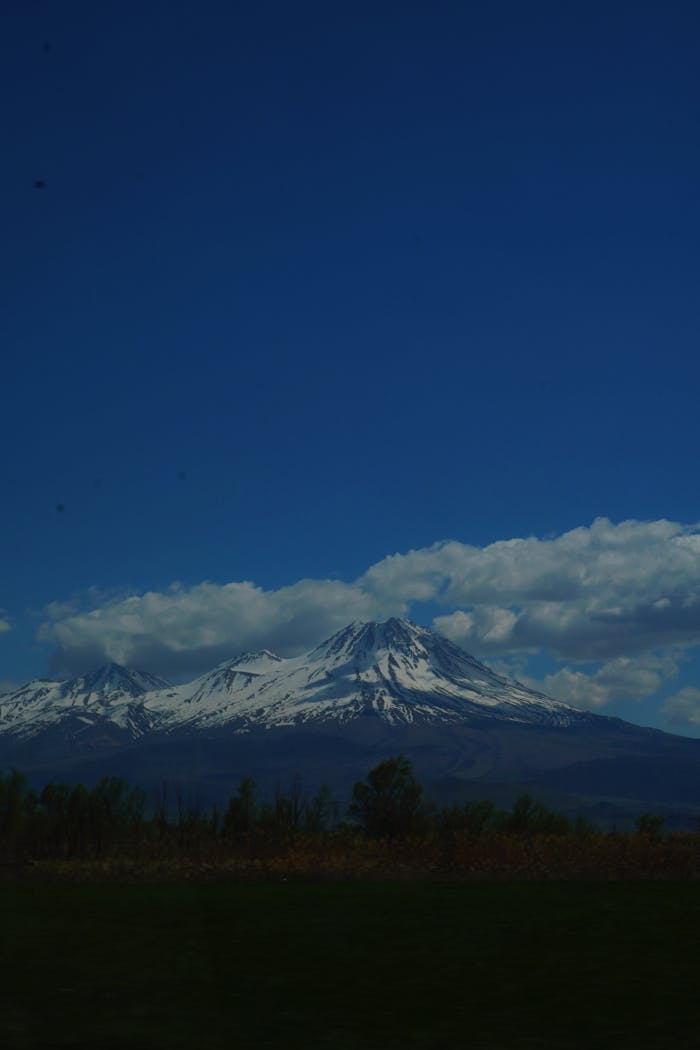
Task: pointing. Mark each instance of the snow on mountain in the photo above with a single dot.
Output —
(217, 691)
(111, 694)
(110, 681)
(397, 671)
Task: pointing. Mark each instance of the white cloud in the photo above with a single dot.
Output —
(5, 625)
(623, 678)
(591, 594)
(185, 630)
(625, 597)
(683, 709)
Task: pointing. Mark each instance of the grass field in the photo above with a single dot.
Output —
(405, 965)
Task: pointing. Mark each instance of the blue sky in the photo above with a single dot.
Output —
(309, 286)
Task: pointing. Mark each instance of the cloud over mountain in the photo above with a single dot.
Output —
(624, 678)
(625, 597)
(593, 593)
(185, 630)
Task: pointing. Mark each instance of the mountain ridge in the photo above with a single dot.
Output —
(396, 670)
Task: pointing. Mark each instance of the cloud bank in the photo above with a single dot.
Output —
(593, 593)
(625, 597)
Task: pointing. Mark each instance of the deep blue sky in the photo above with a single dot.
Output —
(310, 284)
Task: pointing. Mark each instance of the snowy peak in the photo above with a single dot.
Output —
(110, 698)
(394, 670)
(398, 641)
(255, 660)
(362, 639)
(113, 678)
(229, 677)
(363, 644)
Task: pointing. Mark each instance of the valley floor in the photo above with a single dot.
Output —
(363, 966)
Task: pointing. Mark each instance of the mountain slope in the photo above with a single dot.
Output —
(402, 673)
(398, 672)
(111, 698)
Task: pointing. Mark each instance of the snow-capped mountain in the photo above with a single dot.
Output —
(397, 671)
(110, 696)
(368, 692)
(215, 688)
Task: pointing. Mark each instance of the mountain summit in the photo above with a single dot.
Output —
(394, 670)
(109, 698)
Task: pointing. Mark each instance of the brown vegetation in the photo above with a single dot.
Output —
(105, 832)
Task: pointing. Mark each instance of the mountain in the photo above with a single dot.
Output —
(107, 704)
(368, 692)
(396, 671)
(399, 672)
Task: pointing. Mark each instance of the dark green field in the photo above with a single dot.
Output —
(351, 966)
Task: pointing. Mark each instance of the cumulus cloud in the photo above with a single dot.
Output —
(624, 678)
(623, 597)
(683, 708)
(5, 624)
(591, 594)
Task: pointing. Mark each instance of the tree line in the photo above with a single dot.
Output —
(388, 820)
